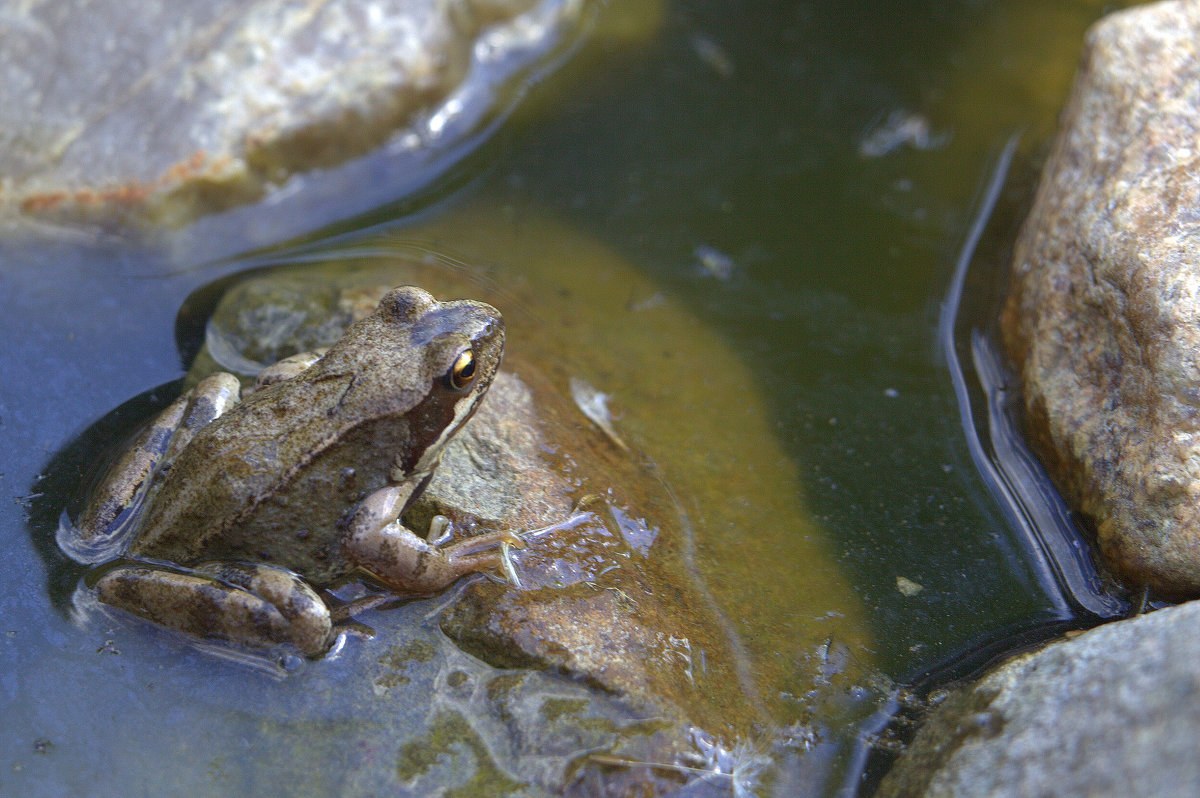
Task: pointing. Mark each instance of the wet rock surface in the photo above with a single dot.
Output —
(1103, 320)
(1110, 712)
(169, 110)
(604, 594)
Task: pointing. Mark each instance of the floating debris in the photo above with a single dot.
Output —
(900, 129)
(713, 262)
(908, 587)
(652, 301)
(713, 55)
(594, 405)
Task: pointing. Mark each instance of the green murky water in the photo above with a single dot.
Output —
(774, 193)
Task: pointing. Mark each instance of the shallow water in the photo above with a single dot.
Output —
(793, 183)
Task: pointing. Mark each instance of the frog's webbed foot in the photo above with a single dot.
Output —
(118, 497)
(255, 605)
(377, 542)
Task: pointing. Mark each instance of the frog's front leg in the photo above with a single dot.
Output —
(255, 605)
(125, 485)
(378, 542)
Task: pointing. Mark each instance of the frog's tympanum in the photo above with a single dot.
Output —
(235, 510)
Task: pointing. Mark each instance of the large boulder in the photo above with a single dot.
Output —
(1103, 320)
(168, 110)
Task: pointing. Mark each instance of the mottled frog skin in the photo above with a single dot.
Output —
(234, 509)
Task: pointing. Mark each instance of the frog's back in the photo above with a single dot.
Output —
(270, 481)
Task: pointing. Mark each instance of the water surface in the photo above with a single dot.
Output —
(796, 179)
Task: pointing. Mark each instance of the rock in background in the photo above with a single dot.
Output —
(1113, 712)
(168, 110)
(1103, 320)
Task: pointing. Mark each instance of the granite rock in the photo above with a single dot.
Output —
(1112, 712)
(168, 110)
(1103, 319)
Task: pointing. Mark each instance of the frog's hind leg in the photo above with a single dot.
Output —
(255, 605)
(123, 489)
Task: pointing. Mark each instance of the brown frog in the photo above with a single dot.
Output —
(233, 510)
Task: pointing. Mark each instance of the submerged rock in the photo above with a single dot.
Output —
(1103, 320)
(1111, 712)
(603, 593)
(170, 110)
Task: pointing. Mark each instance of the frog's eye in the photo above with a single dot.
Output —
(462, 371)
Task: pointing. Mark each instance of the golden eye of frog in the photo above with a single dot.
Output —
(234, 509)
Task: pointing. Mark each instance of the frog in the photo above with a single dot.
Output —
(235, 510)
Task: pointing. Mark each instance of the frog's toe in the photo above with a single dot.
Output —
(310, 625)
(480, 543)
(482, 552)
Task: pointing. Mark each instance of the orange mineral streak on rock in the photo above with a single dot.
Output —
(41, 203)
(185, 170)
(130, 194)
(133, 195)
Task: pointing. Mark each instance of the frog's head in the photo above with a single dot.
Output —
(456, 349)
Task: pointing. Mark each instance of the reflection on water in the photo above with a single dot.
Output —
(1020, 486)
